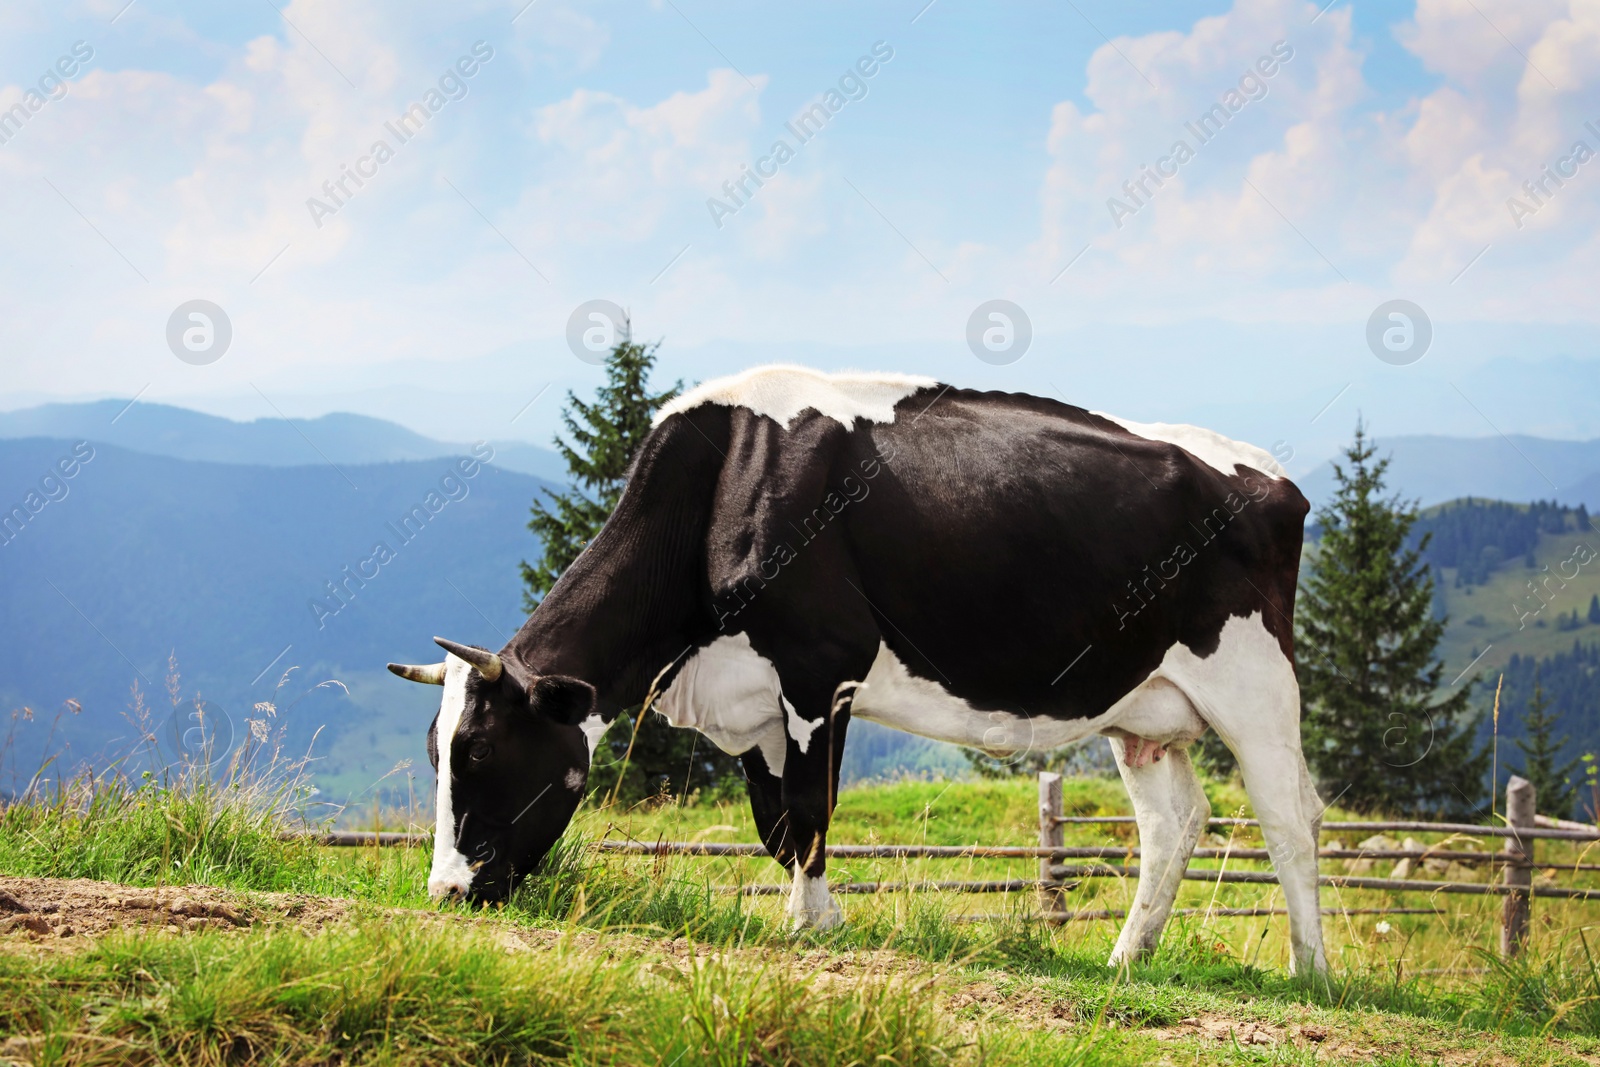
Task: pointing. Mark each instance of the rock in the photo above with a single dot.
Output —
(1456, 871)
(1336, 845)
(196, 909)
(1401, 870)
(9, 902)
(33, 924)
(1376, 842)
(65, 931)
(1545, 879)
(1314, 1033)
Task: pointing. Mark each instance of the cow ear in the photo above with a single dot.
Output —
(565, 700)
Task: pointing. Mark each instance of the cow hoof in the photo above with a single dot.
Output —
(811, 906)
(822, 919)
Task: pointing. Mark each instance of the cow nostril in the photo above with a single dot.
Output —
(442, 890)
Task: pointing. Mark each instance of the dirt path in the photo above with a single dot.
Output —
(55, 911)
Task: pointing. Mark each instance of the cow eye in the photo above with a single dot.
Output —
(479, 751)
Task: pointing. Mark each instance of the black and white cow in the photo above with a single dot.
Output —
(795, 549)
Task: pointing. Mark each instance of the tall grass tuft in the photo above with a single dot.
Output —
(219, 818)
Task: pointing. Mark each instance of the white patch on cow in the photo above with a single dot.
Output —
(783, 391)
(594, 728)
(574, 779)
(730, 693)
(1208, 446)
(896, 698)
(1247, 691)
(799, 729)
(811, 906)
(451, 873)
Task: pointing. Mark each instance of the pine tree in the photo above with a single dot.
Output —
(1367, 637)
(1594, 609)
(1552, 785)
(603, 436)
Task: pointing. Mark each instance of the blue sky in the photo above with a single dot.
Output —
(1374, 163)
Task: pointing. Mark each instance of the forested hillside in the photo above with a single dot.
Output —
(1476, 536)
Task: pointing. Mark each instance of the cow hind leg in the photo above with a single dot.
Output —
(1248, 693)
(1171, 810)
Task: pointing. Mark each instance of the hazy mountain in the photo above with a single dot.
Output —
(139, 557)
(340, 438)
(1518, 468)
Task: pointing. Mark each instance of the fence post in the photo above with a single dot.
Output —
(1520, 807)
(1050, 836)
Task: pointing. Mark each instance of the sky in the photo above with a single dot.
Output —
(1355, 154)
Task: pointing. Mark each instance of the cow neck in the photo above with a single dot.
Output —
(635, 599)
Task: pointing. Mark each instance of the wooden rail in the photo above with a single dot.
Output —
(1531, 830)
(1515, 861)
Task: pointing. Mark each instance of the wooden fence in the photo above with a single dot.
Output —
(1515, 862)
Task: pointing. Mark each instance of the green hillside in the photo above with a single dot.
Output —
(1503, 616)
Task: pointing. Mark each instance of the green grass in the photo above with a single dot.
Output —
(396, 990)
(386, 992)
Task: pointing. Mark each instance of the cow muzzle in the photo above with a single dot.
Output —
(447, 889)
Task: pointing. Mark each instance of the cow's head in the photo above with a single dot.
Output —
(511, 765)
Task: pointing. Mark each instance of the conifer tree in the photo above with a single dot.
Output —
(1594, 609)
(602, 437)
(1552, 784)
(1375, 735)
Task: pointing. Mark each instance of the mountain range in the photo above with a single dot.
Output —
(227, 553)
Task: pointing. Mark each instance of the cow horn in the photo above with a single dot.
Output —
(426, 673)
(488, 663)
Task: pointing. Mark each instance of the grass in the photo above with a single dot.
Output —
(610, 987)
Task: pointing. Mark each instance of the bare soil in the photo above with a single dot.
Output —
(54, 911)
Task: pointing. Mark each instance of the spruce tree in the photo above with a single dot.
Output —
(602, 437)
(1375, 735)
(1552, 784)
(1594, 609)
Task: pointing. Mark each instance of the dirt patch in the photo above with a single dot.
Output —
(1346, 1042)
(58, 910)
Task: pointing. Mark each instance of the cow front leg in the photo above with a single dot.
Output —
(810, 790)
(766, 806)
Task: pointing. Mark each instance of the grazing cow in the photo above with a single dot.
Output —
(796, 549)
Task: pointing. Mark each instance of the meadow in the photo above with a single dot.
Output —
(337, 956)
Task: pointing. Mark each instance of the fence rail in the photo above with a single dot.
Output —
(1513, 864)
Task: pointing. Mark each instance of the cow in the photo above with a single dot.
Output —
(795, 549)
